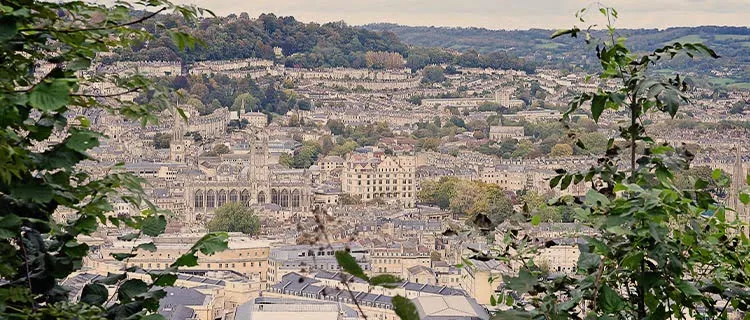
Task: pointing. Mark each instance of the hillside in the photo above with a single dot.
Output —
(239, 37)
(732, 43)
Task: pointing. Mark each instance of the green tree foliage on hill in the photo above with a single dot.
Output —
(660, 252)
(420, 57)
(433, 74)
(308, 45)
(234, 217)
(37, 251)
(304, 157)
(471, 198)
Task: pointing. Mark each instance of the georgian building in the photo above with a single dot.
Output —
(500, 133)
(375, 175)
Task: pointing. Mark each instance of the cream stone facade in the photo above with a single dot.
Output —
(371, 176)
(244, 255)
(397, 260)
(500, 133)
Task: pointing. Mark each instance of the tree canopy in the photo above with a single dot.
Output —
(234, 217)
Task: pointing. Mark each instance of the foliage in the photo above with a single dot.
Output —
(433, 74)
(472, 198)
(308, 45)
(660, 252)
(44, 155)
(304, 157)
(162, 140)
(348, 199)
(247, 100)
(220, 149)
(234, 217)
(536, 205)
(561, 150)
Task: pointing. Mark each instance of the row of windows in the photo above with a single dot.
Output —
(404, 175)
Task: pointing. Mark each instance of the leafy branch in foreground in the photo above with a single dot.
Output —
(47, 51)
(660, 251)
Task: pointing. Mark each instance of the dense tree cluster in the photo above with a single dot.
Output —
(308, 45)
(472, 198)
(234, 217)
(207, 94)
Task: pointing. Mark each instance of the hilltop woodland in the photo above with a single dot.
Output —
(308, 45)
(565, 54)
(303, 45)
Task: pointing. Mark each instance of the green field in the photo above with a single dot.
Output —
(724, 37)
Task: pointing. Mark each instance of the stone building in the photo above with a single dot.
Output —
(378, 176)
(500, 133)
(245, 177)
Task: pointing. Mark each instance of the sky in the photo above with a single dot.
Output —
(493, 14)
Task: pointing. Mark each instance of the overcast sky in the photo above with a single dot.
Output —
(493, 14)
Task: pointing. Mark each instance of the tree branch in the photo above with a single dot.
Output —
(144, 18)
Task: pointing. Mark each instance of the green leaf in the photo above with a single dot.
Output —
(535, 220)
(154, 225)
(122, 256)
(350, 265)
(111, 278)
(94, 294)
(597, 106)
(609, 300)
(572, 32)
(566, 182)
(555, 181)
(509, 301)
(632, 260)
(511, 315)
(186, 260)
(385, 280)
(593, 197)
(10, 221)
(493, 302)
(33, 191)
(165, 279)
(588, 261)
(50, 96)
(745, 198)
(523, 283)
(131, 288)
(688, 289)
(404, 308)
(8, 27)
(129, 236)
(82, 140)
(716, 174)
(212, 243)
(151, 247)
